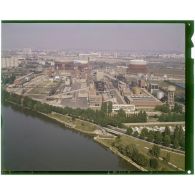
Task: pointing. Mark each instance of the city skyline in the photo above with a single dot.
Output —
(91, 36)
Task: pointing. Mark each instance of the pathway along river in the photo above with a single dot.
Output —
(32, 142)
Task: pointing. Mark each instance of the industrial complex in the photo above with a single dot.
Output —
(87, 80)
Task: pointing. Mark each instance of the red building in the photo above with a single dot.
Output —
(137, 66)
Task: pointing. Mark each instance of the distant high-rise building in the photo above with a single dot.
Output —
(27, 51)
(9, 62)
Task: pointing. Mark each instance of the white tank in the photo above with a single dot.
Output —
(160, 95)
(171, 88)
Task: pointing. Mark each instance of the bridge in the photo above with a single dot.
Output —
(112, 131)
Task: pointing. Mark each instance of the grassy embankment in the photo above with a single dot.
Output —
(143, 147)
(77, 124)
(108, 143)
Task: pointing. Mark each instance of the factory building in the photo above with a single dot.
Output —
(68, 66)
(153, 88)
(121, 78)
(68, 81)
(121, 70)
(95, 101)
(99, 85)
(145, 102)
(128, 108)
(84, 71)
(137, 66)
(99, 75)
(141, 83)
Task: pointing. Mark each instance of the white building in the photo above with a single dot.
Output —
(128, 108)
(99, 75)
(9, 62)
(27, 51)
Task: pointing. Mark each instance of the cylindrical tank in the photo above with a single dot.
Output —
(160, 95)
(136, 90)
(171, 88)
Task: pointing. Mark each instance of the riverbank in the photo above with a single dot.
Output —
(97, 136)
(94, 133)
(115, 151)
(73, 124)
(66, 124)
(35, 144)
(101, 136)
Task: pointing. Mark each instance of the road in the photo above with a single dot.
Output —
(156, 124)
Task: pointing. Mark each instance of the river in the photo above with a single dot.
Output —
(32, 142)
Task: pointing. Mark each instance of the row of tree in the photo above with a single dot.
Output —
(167, 138)
(166, 109)
(176, 114)
(132, 152)
(102, 117)
(171, 117)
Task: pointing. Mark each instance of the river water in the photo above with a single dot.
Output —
(31, 142)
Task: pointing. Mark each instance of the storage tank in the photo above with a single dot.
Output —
(160, 95)
(136, 90)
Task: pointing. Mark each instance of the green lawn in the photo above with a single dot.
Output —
(143, 147)
(82, 125)
(64, 118)
(85, 125)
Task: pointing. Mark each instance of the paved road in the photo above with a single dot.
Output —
(155, 123)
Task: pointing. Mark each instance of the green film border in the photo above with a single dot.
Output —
(189, 91)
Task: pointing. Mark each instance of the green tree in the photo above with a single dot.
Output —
(129, 131)
(144, 133)
(167, 140)
(155, 151)
(135, 134)
(104, 107)
(150, 137)
(163, 108)
(176, 143)
(167, 131)
(178, 108)
(154, 163)
(121, 113)
(131, 150)
(142, 160)
(157, 137)
(109, 107)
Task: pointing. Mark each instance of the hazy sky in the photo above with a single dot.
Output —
(137, 37)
